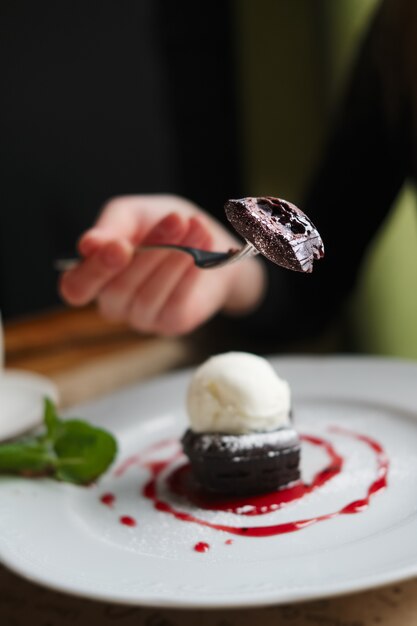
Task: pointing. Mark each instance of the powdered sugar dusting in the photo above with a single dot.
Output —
(234, 444)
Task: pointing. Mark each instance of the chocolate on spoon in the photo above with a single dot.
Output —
(277, 229)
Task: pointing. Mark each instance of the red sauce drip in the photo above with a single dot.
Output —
(126, 520)
(379, 484)
(180, 483)
(108, 499)
(228, 542)
(140, 459)
(201, 546)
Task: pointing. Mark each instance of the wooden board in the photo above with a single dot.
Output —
(86, 356)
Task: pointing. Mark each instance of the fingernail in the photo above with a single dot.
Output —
(167, 228)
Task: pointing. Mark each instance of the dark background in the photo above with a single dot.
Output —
(212, 101)
(101, 99)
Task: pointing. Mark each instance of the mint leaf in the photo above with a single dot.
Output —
(83, 451)
(69, 450)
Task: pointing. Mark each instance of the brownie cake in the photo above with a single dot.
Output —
(241, 439)
(277, 229)
(244, 464)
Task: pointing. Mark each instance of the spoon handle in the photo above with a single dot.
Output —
(205, 259)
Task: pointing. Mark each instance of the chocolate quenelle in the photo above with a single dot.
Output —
(277, 229)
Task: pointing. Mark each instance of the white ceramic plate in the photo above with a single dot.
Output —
(65, 538)
(21, 401)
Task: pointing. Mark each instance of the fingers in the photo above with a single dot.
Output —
(81, 284)
(150, 298)
(115, 298)
(131, 218)
(85, 282)
(170, 229)
(156, 290)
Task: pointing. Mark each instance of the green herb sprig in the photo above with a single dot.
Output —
(70, 450)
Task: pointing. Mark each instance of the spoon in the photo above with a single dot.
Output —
(203, 259)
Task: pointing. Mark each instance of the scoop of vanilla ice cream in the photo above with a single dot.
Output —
(237, 393)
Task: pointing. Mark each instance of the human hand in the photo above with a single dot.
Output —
(158, 291)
